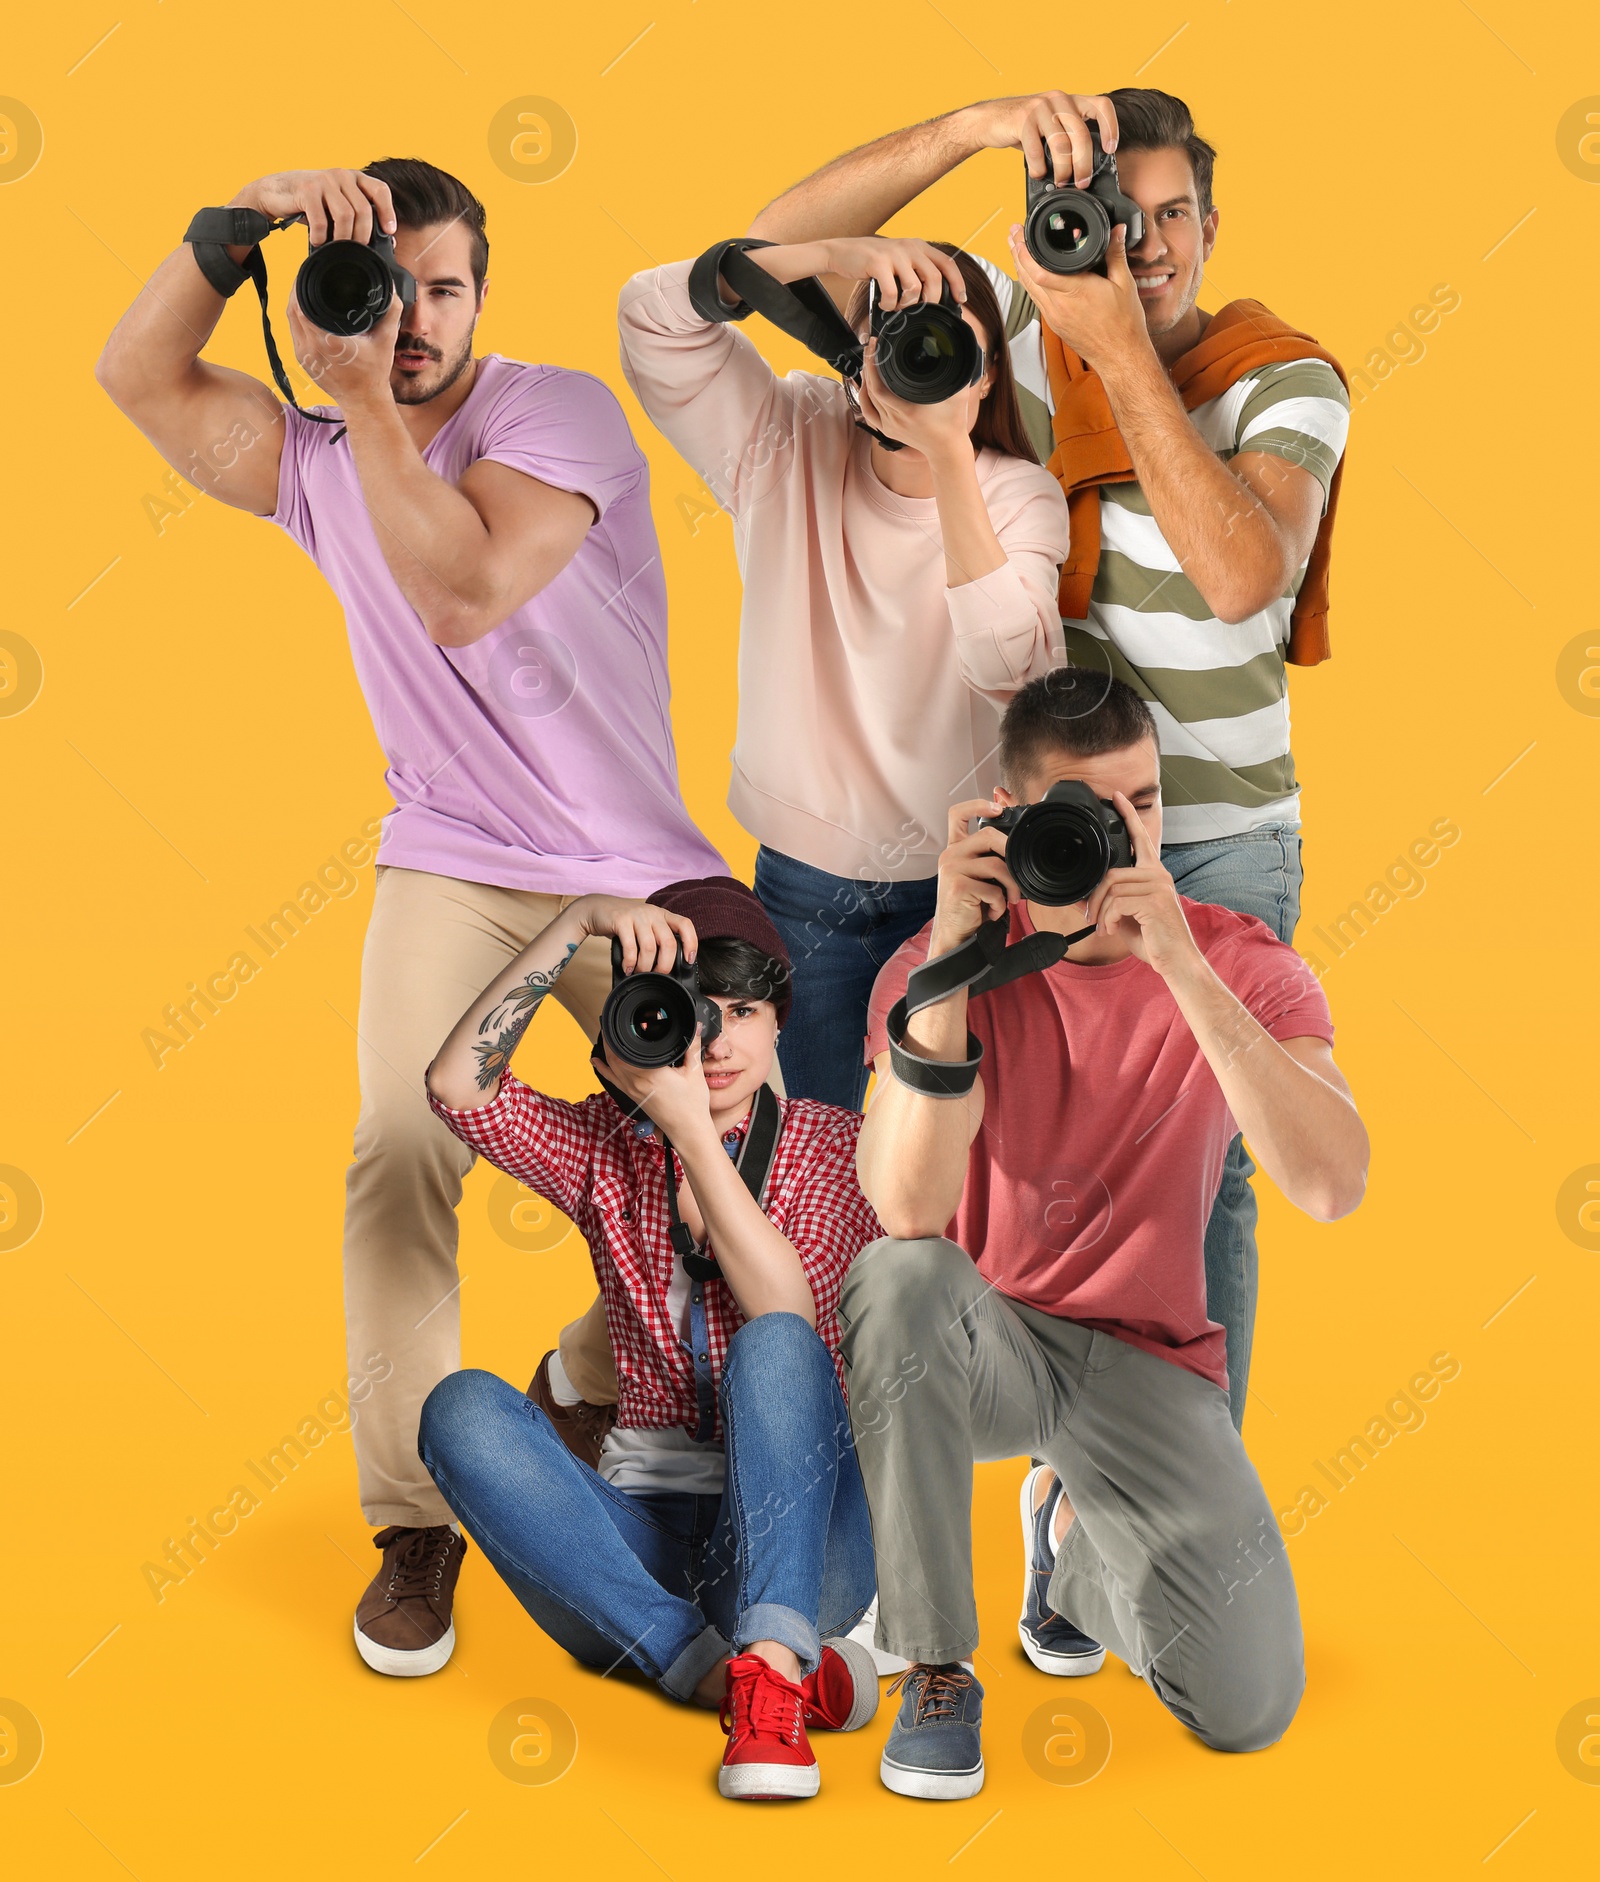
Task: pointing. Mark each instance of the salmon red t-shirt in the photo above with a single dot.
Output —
(1104, 1131)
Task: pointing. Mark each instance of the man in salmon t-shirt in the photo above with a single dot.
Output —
(485, 524)
(1042, 1287)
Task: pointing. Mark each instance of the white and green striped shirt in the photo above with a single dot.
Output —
(1219, 692)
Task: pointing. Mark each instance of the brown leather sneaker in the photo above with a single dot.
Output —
(582, 1427)
(403, 1625)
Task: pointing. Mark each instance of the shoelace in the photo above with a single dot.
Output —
(763, 1703)
(939, 1693)
(419, 1566)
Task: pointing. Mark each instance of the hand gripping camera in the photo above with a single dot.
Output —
(1067, 229)
(1060, 849)
(926, 352)
(651, 1020)
(346, 287)
(343, 287)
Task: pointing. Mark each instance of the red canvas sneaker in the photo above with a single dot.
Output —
(842, 1694)
(768, 1756)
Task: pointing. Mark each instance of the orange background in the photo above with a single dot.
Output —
(199, 747)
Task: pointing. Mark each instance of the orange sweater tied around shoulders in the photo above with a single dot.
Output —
(1241, 338)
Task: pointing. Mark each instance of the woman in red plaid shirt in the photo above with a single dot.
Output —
(722, 1546)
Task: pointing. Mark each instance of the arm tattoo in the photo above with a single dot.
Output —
(508, 1021)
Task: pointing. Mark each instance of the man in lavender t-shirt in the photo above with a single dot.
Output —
(486, 525)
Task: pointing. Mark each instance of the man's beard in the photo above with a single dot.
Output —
(411, 392)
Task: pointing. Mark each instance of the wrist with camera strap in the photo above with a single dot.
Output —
(981, 964)
(802, 309)
(211, 233)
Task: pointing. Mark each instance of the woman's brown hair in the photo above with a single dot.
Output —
(999, 424)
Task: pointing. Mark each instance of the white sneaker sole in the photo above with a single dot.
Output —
(864, 1676)
(886, 1664)
(758, 1783)
(399, 1664)
(1059, 1665)
(941, 1786)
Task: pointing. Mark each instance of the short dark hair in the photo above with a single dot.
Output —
(999, 423)
(735, 969)
(423, 194)
(1155, 120)
(1075, 710)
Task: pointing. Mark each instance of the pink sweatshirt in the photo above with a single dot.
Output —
(870, 693)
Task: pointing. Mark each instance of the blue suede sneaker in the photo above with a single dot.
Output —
(1054, 1645)
(934, 1748)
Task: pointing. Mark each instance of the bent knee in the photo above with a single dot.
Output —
(778, 1338)
(458, 1402)
(1256, 1712)
(905, 1277)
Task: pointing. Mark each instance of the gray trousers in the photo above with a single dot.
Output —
(1175, 1562)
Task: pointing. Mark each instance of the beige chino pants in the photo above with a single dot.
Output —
(433, 945)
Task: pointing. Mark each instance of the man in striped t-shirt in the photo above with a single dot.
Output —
(1204, 544)
(1217, 688)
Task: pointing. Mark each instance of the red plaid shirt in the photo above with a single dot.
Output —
(594, 1166)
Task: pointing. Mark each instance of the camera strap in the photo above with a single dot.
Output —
(979, 965)
(802, 309)
(211, 234)
(754, 1164)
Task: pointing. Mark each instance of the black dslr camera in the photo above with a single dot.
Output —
(346, 287)
(926, 352)
(1068, 229)
(1060, 848)
(651, 1020)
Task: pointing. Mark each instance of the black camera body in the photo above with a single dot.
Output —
(651, 1020)
(926, 352)
(346, 287)
(1067, 229)
(1060, 849)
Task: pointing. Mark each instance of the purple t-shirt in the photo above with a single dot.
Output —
(541, 757)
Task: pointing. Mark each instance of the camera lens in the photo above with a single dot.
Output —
(651, 1023)
(343, 287)
(1058, 853)
(925, 355)
(649, 1020)
(1068, 232)
(928, 354)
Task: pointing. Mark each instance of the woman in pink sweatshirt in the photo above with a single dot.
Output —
(893, 602)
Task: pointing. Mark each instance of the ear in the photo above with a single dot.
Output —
(1208, 233)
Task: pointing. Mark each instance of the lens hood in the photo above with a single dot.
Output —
(651, 1020)
(1059, 849)
(1067, 231)
(345, 287)
(926, 352)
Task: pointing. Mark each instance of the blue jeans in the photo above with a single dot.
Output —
(671, 1582)
(839, 931)
(1254, 874)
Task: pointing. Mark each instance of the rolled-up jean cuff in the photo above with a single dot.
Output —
(768, 1620)
(692, 1665)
